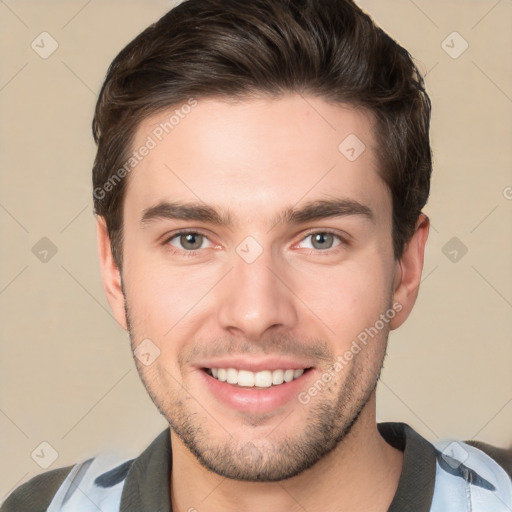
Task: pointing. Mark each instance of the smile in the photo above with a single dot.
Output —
(261, 379)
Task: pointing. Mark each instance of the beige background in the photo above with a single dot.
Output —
(67, 376)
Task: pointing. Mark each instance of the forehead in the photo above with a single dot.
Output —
(251, 157)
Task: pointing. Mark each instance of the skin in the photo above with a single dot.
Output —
(253, 158)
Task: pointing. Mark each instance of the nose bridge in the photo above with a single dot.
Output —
(254, 297)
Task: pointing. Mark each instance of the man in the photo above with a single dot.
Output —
(259, 181)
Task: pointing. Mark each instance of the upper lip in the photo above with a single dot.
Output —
(253, 364)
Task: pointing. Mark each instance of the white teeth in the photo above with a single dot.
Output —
(277, 377)
(246, 378)
(231, 376)
(288, 375)
(263, 379)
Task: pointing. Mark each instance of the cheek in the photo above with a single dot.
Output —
(159, 294)
(348, 299)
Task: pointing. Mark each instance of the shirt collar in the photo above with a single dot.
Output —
(416, 485)
(147, 482)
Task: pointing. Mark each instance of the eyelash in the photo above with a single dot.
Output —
(195, 252)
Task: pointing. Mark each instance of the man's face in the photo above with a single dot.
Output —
(264, 293)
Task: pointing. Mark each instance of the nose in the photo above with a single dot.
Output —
(256, 298)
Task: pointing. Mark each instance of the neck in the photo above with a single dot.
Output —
(360, 474)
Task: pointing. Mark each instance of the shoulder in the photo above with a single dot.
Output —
(103, 476)
(502, 456)
(472, 476)
(99, 479)
(36, 494)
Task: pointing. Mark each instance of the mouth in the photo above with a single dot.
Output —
(255, 384)
(263, 379)
(257, 392)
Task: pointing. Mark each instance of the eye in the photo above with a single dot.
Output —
(188, 241)
(322, 240)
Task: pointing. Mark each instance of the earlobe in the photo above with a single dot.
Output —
(110, 274)
(408, 272)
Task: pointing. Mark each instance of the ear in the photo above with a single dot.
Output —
(111, 275)
(408, 272)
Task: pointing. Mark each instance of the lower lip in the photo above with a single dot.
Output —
(256, 400)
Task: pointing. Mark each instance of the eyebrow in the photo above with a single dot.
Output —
(312, 210)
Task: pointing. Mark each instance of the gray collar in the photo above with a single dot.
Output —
(147, 483)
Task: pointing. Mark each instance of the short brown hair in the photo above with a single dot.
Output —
(237, 48)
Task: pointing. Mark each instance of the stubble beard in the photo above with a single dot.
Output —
(267, 459)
